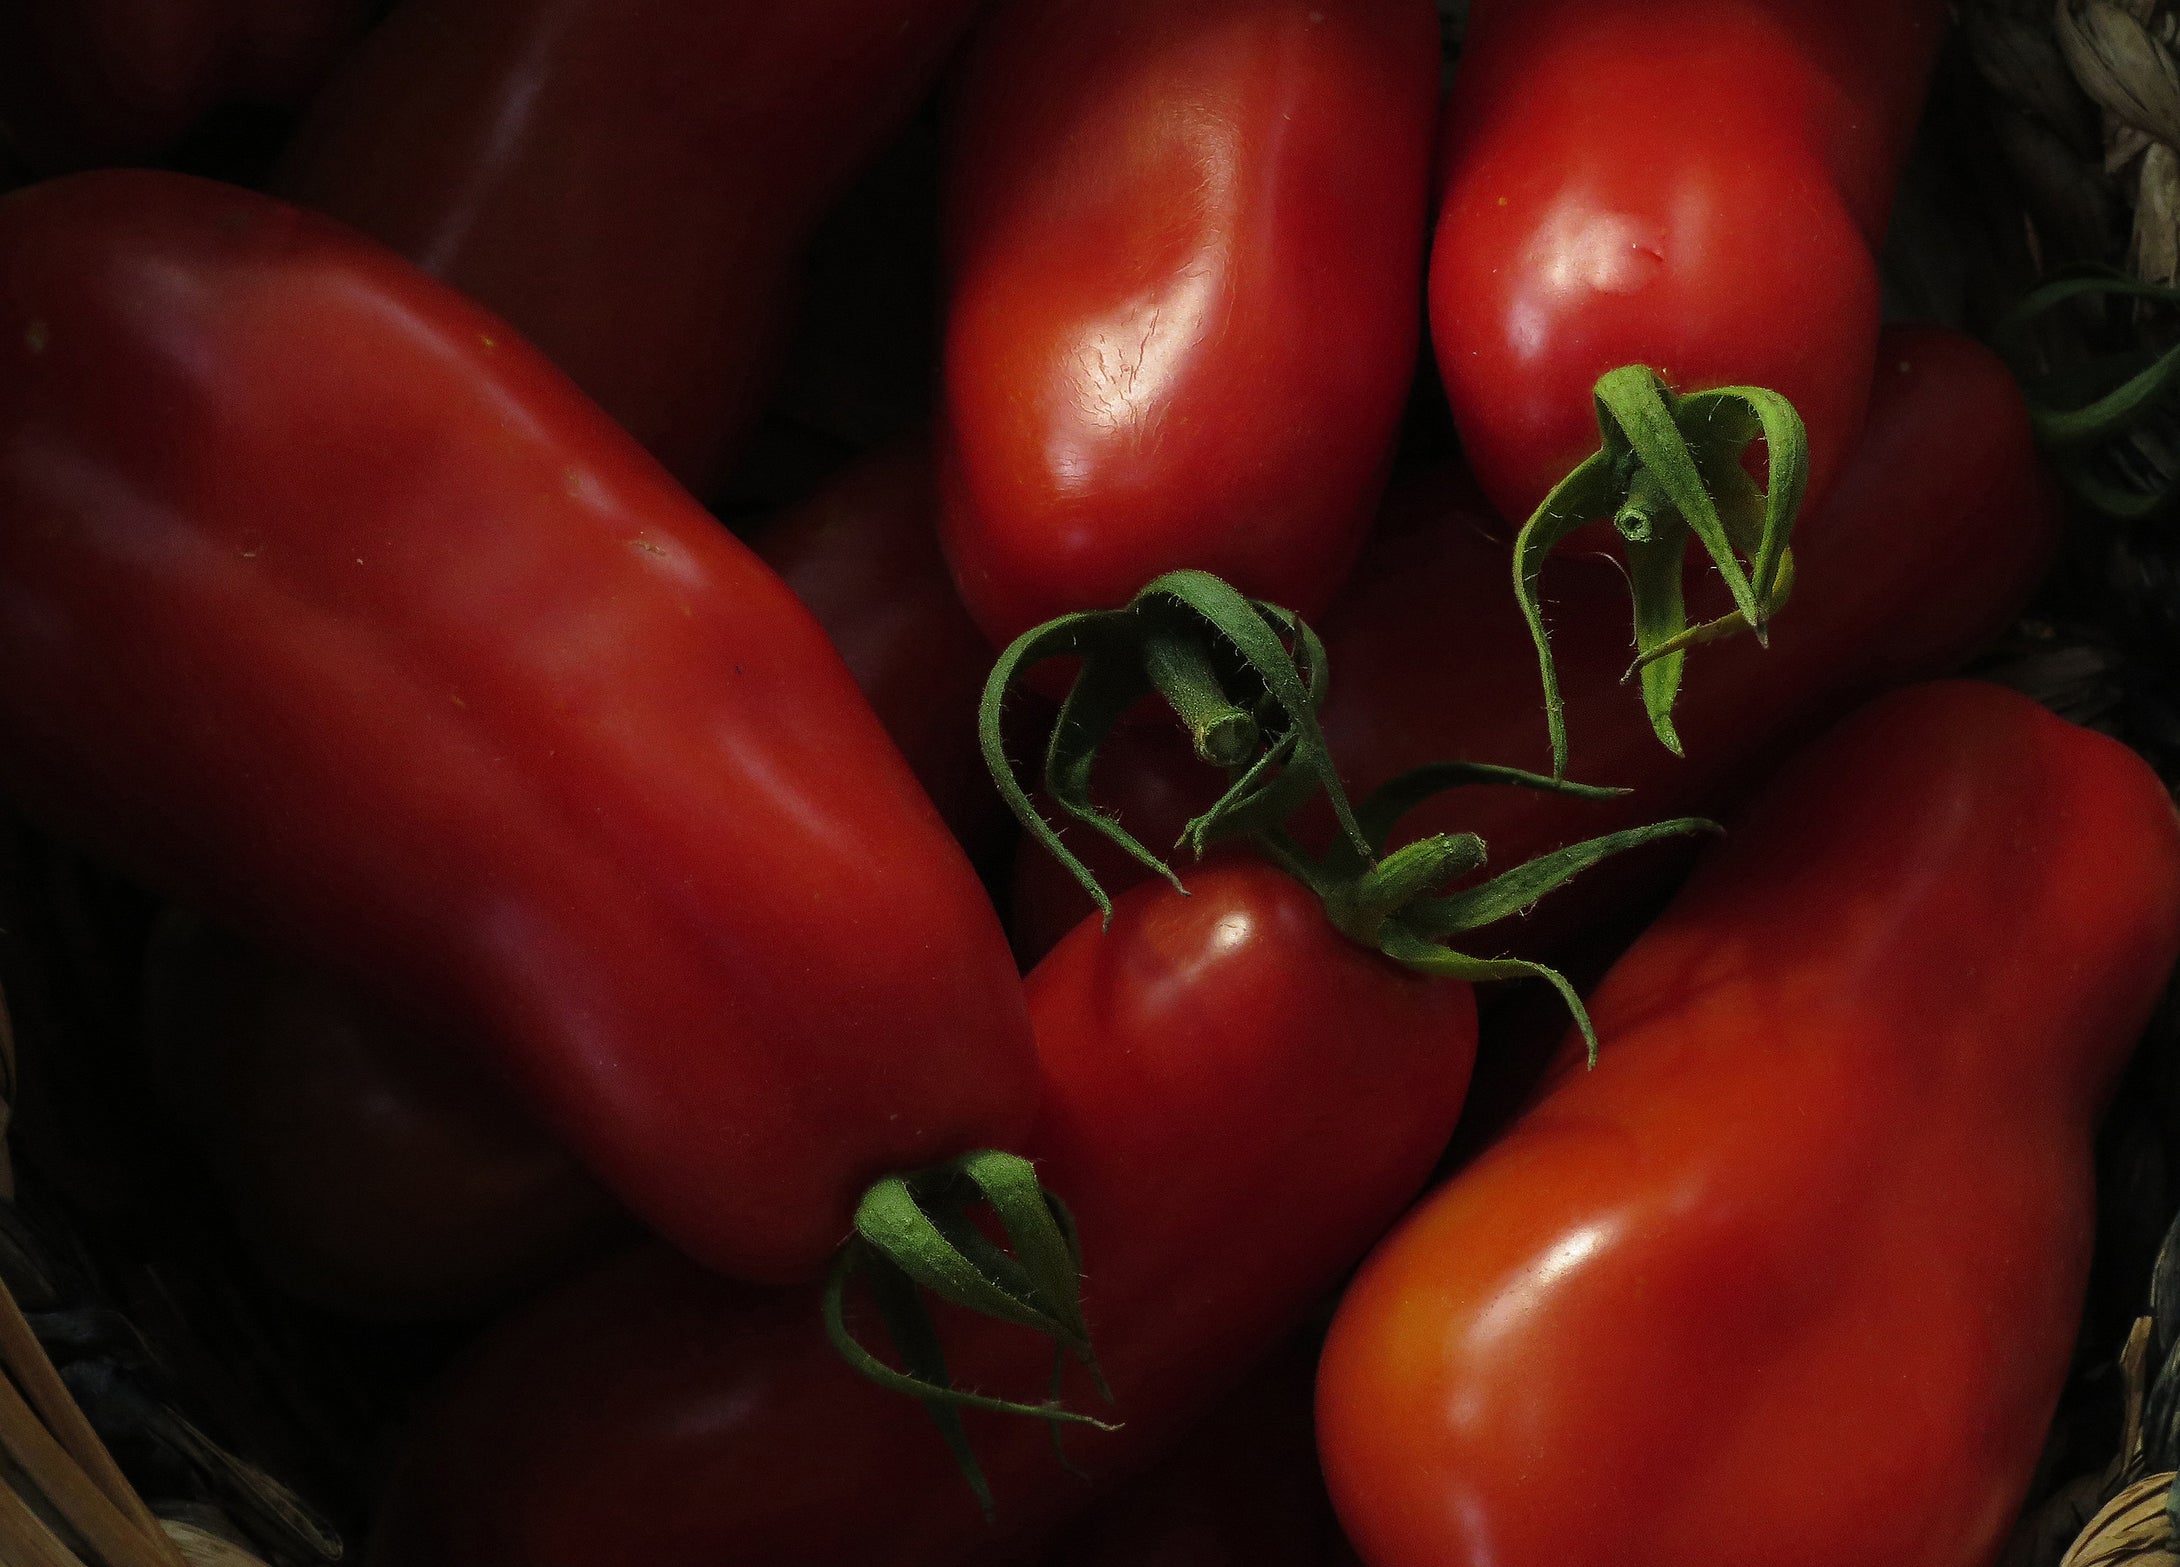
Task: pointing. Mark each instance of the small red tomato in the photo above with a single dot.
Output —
(1237, 1099)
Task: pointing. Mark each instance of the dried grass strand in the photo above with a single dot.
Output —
(2121, 65)
(25, 1538)
(110, 1533)
(22, 1357)
(2130, 1529)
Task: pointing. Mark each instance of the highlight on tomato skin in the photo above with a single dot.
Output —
(1793, 1275)
(1184, 271)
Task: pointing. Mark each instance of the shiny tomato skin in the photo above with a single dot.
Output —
(1935, 535)
(1793, 1275)
(85, 82)
(367, 1169)
(1694, 185)
(1185, 243)
(630, 184)
(863, 554)
(432, 676)
(1236, 1100)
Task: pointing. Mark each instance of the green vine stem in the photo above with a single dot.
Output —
(915, 1233)
(1245, 677)
(1668, 470)
(2085, 430)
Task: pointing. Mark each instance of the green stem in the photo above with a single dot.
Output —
(1668, 472)
(914, 1236)
(1180, 669)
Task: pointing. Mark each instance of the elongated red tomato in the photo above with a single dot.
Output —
(369, 1170)
(378, 1173)
(1185, 241)
(1793, 1275)
(1692, 185)
(1236, 1100)
(101, 81)
(629, 183)
(1935, 535)
(329, 608)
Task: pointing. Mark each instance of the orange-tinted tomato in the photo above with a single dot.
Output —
(1792, 1276)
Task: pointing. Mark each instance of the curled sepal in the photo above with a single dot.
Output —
(1406, 905)
(1244, 676)
(914, 1233)
(1670, 469)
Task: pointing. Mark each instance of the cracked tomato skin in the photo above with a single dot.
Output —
(1792, 1277)
(1185, 243)
(1694, 185)
(329, 608)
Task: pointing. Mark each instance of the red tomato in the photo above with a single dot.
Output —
(367, 1169)
(629, 183)
(863, 554)
(1934, 537)
(431, 675)
(1185, 240)
(1236, 1100)
(1792, 1276)
(1692, 185)
(105, 81)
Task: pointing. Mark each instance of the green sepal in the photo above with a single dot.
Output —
(1668, 469)
(1399, 907)
(1246, 678)
(1511, 891)
(914, 1234)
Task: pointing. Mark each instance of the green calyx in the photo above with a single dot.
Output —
(1406, 905)
(1670, 468)
(1244, 676)
(914, 1233)
(2106, 420)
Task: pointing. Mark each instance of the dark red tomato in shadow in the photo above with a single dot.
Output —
(368, 1169)
(628, 183)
